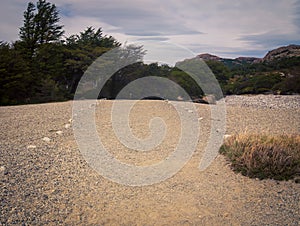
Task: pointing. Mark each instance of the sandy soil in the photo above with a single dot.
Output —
(50, 182)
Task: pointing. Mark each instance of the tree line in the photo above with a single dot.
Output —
(44, 65)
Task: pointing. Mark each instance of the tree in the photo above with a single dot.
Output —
(15, 79)
(46, 22)
(82, 50)
(40, 26)
(27, 32)
(40, 47)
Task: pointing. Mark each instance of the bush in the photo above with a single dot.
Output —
(264, 156)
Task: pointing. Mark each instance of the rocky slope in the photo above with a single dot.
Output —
(281, 52)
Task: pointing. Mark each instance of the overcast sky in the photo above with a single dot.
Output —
(227, 28)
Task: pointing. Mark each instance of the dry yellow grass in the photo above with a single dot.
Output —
(264, 156)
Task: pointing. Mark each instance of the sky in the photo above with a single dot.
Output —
(226, 28)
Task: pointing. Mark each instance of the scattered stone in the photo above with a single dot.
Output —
(210, 99)
(179, 98)
(31, 147)
(59, 132)
(190, 111)
(92, 105)
(199, 119)
(70, 120)
(46, 139)
(2, 170)
(226, 136)
(67, 126)
(226, 214)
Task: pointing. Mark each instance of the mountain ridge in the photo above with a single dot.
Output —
(275, 54)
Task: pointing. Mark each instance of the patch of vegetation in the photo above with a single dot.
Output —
(264, 156)
(280, 76)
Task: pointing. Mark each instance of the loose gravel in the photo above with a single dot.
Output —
(265, 101)
(47, 181)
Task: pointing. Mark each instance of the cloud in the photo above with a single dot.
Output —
(296, 14)
(272, 39)
(228, 27)
(153, 39)
(11, 19)
(134, 18)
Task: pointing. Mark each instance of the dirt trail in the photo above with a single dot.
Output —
(51, 183)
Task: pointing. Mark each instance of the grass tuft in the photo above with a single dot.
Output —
(264, 156)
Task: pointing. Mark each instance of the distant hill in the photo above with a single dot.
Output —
(230, 62)
(276, 54)
(283, 52)
(277, 72)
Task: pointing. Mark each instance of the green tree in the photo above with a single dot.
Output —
(15, 77)
(41, 25)
(27, 32)
(82, 50)
(41, 48)
(46, 22)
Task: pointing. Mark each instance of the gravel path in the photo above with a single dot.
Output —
(265, 101)
(47, 181)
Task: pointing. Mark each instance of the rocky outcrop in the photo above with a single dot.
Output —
(229, 62)
(207, 56)
(248, 60)
(283, 52)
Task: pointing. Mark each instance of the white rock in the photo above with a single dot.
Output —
(70, 120)
(67, 126)
(226, 136)
(190, 111)
(179, 98)
(211, 99)
(2, 169)
(92, 105)
(46, 139)
(59, 132)
(31, 147)
(199, 119)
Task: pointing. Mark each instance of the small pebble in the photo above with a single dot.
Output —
(92, 105)
(59, 132)
(226, 136)
(31, 147)
(67, 126)
(2, 169)
(46, 139)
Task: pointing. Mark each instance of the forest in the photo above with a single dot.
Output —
(45, 66)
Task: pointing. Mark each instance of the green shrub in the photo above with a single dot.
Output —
(264, 156)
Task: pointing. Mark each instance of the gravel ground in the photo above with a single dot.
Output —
(265, 101)
(47, 181)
